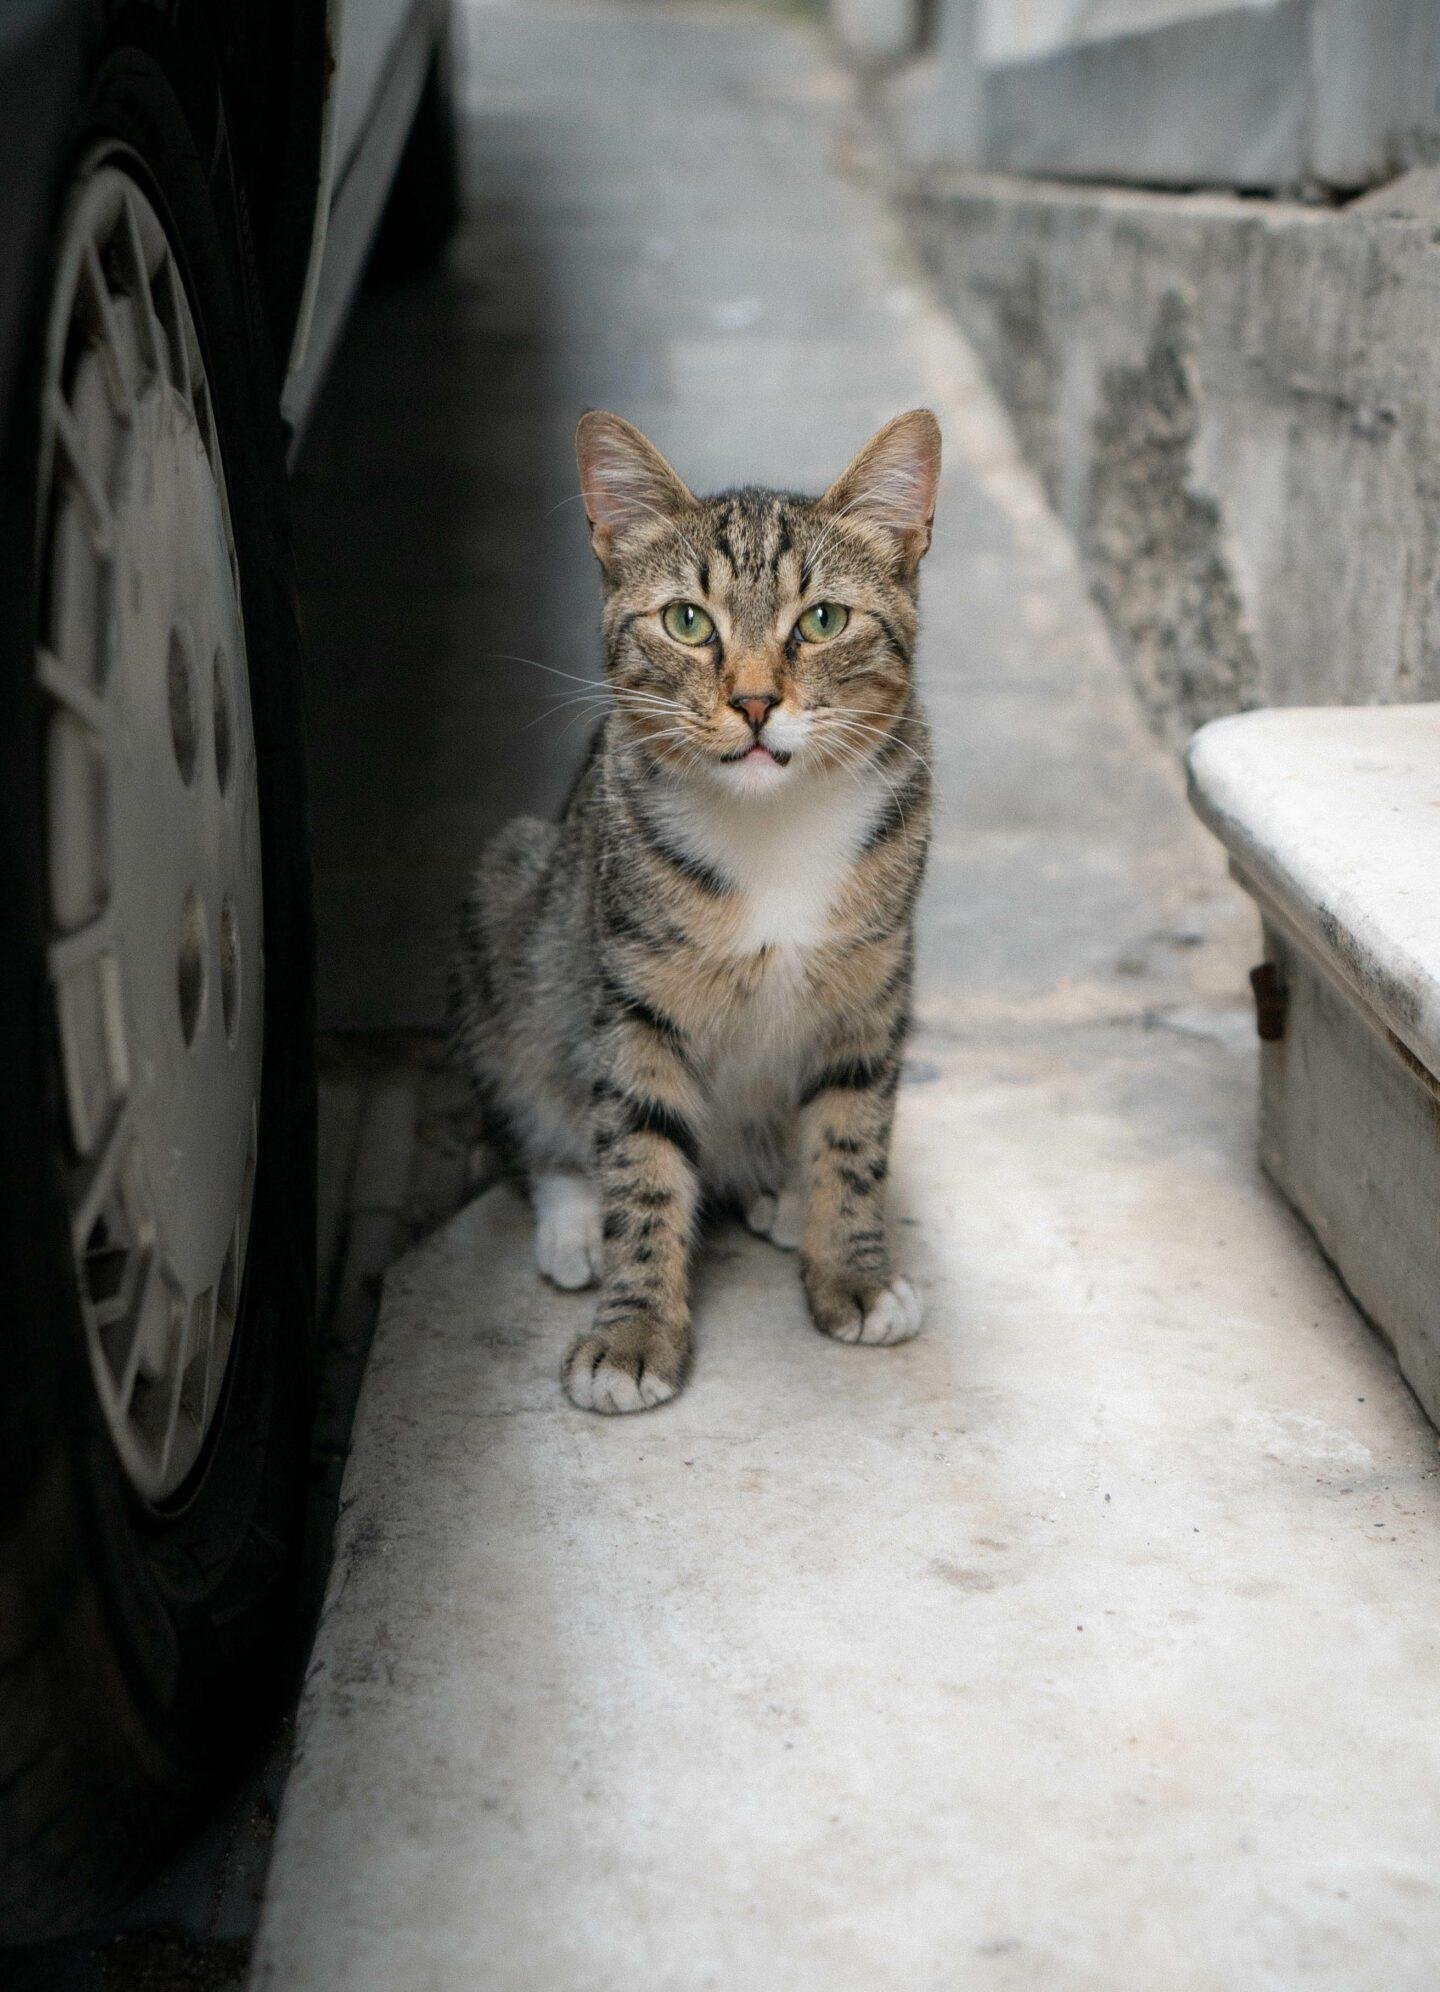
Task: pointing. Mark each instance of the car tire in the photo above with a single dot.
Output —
(147, 1598)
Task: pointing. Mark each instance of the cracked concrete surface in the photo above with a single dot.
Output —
(1087, 1641)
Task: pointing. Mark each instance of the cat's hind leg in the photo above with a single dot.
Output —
(778, 1215)
(568, 1245)
(753, 1168)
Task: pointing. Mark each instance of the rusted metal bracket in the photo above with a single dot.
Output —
(1272, 1000)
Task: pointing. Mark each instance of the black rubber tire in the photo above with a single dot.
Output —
(422, 210)
(141, 1652)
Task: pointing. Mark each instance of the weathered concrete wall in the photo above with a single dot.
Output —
(1281, 95)
(1020, 30)
(1222, 99)
(1235, 406)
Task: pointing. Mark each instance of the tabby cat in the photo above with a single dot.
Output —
(694, 988)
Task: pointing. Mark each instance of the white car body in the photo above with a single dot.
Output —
(379, 52)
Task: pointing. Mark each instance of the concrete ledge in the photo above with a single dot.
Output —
(1350, 1132)
(1332, 822)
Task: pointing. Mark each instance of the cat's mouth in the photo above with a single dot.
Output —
(757, 752)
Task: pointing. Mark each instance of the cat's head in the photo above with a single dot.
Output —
(755, 635)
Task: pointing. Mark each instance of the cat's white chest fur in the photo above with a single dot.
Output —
(786, 856)
(786, 853)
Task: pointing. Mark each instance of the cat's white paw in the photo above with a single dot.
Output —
(780, 1218)
(568, 1247)
(625, 1370)
(894, 1315)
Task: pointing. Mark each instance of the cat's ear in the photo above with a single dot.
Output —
(623, 478)
(892, 483)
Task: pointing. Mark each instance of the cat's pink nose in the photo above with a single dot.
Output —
(755, 706)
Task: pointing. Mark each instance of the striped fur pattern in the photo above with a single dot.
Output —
(694, 988)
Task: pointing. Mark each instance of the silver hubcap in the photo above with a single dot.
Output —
(153, 830)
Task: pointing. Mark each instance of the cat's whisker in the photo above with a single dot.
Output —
(850, 744)
(598, 696)
(848, 765)
(849, 752)
(858, 769)
(883, 735)
(565, 729)
(562, 700)
(511, 657)
(863, 740)
(856, 712)
(685, 740)
(574, 499)
(541, 718)
(599, 687)
(625, 696)
(886, 734)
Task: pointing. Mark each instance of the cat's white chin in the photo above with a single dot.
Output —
(755, 774)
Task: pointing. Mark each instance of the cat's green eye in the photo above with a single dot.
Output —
(687, 622)
(819, 624)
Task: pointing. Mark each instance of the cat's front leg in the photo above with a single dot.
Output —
(845, 1120)
(637, 1351)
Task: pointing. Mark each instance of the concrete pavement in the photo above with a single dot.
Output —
(1086, 1642)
